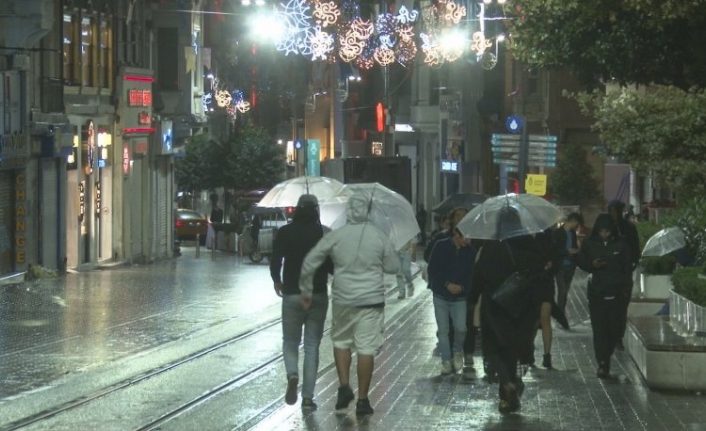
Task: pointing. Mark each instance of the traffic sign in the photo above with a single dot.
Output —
(513, 124)
(537, 138)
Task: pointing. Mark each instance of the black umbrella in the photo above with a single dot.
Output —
(467, 200)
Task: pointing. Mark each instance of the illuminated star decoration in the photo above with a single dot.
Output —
(321, 44)
(452, 12)
(239, 101)
(430, 48)
(480, 43)
(406, 48)
(404, 16)
(297, 28)
(207, 101)
(366, 60)
(385, 26)
(354, 39)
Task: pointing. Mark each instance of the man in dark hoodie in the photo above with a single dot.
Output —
(628, 233)
(607, 258)
(292, 243)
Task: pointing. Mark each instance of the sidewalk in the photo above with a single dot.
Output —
(107, 322)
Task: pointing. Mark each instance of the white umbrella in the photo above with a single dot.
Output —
(389, 211)
(535, 215)
(287, 193)
(664, 242)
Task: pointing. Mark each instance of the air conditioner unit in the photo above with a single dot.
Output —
(20, 62)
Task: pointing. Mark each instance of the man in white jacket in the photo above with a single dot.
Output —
(361, 254)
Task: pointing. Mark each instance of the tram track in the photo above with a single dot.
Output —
(100, 393)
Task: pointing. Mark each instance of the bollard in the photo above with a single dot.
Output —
(198, 245)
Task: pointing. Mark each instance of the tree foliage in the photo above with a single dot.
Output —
(628, 41)
(250, 159)
(573, 181)
(662, 131)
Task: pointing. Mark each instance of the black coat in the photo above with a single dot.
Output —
(615, 277)
(292, 244)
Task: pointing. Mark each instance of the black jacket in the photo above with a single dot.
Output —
(560, 235)
(448, 264)
(292, 244)
(614, 278)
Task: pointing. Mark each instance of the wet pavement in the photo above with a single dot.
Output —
(67, 339)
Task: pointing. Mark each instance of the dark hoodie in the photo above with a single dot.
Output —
(626, 230)
(614, 278)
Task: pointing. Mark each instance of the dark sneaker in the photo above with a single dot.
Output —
(345, 396)
(603, 373)
(363, 407)
(308, 404)
(290, 397)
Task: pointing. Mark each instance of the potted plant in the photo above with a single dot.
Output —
(687, 303)
(655, 277)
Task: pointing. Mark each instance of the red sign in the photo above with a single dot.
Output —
(139, 97)
(144, 118)
(126, 159)
(380, 117)
(141, 147)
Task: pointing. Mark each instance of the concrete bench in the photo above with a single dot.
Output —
(666, 359)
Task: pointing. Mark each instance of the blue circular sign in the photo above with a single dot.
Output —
(513, 124)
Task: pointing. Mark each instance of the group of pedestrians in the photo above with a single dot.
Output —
(358, 255)
(464, 277)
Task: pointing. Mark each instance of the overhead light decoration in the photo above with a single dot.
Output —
(326, 13)
(296, 20)
(354, 39)
(321, 44)
(223, 98)
(452, 12)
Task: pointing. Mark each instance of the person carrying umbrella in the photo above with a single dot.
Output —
(291, 245)
(506, 337)
(607, 258)
(361, 253)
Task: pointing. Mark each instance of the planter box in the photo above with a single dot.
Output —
(655, 286)
(686, 317)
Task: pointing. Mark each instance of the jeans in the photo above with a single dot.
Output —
(293, 318)
(404, 275)
(456, 311)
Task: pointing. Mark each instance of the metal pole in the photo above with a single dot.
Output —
(214, 242)
(198, 245)
(524, 149)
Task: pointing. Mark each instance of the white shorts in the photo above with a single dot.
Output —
(357, 328)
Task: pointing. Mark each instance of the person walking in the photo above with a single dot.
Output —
(291, 245)
(422, 222)
(566, 242)
(505, 337)
(628, 233)
(362, 254)
(607, 258)
(450, 270)
(405, 286)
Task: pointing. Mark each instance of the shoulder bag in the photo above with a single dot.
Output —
(514, 293)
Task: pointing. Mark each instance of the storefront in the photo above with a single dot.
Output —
(14, 223)
(162, 190)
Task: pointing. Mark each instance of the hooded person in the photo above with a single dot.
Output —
(626, 231)
(292, 243)
(606, 257)
(361, 254)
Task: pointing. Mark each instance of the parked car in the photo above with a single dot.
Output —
(189, 223)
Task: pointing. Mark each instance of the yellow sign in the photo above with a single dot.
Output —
(536, 185)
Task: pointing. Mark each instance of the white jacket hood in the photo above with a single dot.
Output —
(357, 209)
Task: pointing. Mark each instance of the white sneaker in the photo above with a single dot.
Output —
(458, 361)
(446, 367)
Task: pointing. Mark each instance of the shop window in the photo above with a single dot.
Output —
(105, 72)
(87, 54)
(69, 46)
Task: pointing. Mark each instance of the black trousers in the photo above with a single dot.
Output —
(606, 325)
(563, 283)
(469, 344)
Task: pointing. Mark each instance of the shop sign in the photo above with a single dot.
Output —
(136, 97)
(90, 148)
(144, 118)
(98, 198)
(81, 200)
(141, 147)
(126, 159)
(14, 151)
(20, 218)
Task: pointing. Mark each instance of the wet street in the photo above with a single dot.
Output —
(191, 344)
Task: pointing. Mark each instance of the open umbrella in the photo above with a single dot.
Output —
(535, 215)
(389, 211)
(466, 200)
(664, 242)
(287, 193)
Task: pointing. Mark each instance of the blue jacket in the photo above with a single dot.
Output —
(447, 264)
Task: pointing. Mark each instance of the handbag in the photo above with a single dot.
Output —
(514, 293)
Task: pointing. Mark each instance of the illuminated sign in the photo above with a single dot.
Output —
(449, 166)
(90, 148)
(126, 159)
(139, 97)
(144, 118)
(81, 200)
(97, 198)
(380, 117)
